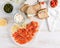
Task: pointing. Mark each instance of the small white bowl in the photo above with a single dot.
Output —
(17, 17)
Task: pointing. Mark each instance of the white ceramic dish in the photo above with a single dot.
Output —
(23, 18)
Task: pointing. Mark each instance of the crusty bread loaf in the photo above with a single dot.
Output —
(42, 14)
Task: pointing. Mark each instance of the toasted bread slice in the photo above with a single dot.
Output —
(31, 11)
(24, 8)
(42, 14)
(37, 7)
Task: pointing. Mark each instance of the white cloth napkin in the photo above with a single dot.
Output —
(54, 17)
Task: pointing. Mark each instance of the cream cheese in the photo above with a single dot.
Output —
(18, 18)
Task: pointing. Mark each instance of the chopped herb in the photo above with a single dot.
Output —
(8, 8)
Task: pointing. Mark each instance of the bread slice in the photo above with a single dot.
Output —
(24, 8)
(42, 14)
(30, 11)
(37, 7)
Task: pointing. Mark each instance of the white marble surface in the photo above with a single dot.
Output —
(44, 39)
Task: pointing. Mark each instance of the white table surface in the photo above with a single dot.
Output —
(45, 39)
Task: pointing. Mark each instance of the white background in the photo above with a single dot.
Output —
(44, 39)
